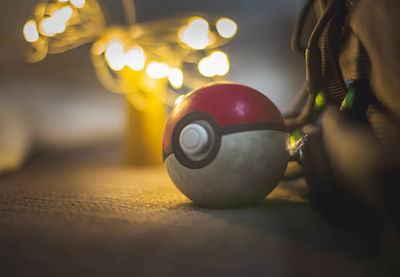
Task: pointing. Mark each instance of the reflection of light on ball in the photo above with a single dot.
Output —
(225, 145)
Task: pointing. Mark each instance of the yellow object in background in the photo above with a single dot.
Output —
(145, 117)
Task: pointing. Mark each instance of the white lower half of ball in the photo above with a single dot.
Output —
(247, 167)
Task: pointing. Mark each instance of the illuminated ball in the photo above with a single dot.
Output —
(225, 145)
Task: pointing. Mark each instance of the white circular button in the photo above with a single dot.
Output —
(193, 138)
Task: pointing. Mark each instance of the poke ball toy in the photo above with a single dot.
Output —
(225, 145)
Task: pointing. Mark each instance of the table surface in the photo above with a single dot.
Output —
(82, 212)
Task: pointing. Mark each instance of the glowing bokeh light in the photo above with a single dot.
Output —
(56, 23)
(135, 58)
(196, 33)
(78, 3)
(157, 70)
(49, 27)
(115, 56)
(62, 15)
(216, 63)
(175, 77)
(319, 100)
(30, 31)
(59, 25)
(221, 62)
(226, 27)
(206, 68)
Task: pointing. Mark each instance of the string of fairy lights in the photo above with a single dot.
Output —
(182, 52)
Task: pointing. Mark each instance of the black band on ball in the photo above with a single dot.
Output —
(217, 133)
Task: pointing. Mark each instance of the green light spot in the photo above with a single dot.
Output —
(319, 101)
(294, 137)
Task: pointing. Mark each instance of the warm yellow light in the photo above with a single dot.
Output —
(135, 58)
(50, 28)
(78, 3)
(226, 27)
(115, 56)
(62, 0)
(56, 23)
(205, 67)
(157, 70)
(196, 33)
(221, 62)
(179, 99)
(62, 15)
(175, 77)
(30, 31)
(216, 63)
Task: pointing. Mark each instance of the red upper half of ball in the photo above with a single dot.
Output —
(227, 103)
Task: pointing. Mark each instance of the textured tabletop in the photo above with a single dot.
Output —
(84, 213)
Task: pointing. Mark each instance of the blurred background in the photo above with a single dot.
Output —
(62, 101)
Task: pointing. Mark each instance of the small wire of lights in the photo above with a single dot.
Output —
(58, 26)
(146, 52)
